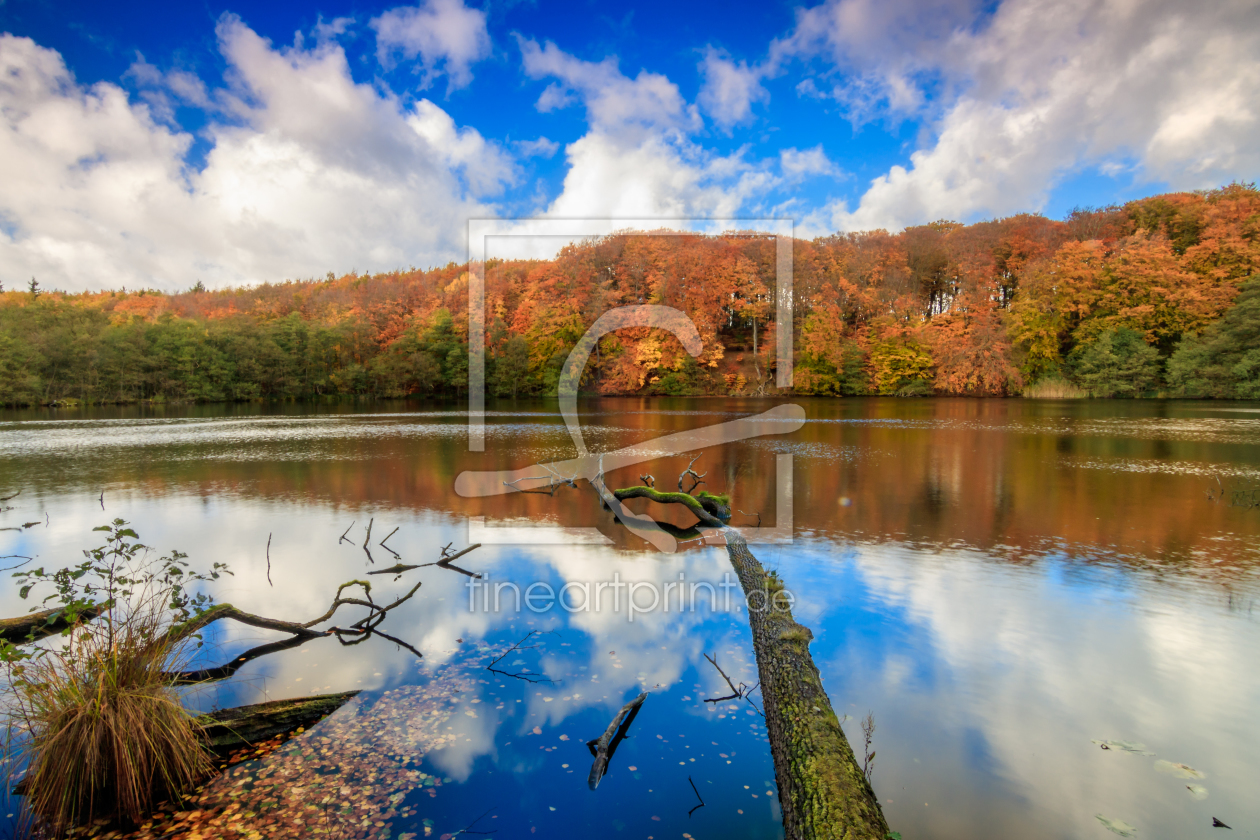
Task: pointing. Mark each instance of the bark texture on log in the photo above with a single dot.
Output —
(18, 630)
(822, 789)
(823, 793)
(229, 729)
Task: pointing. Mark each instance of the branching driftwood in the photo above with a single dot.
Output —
(604, 746)
(35, 626)
(823, 791)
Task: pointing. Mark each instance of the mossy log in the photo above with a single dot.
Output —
(241, 726)
(823, 792)
(39, 625)
(708, 508)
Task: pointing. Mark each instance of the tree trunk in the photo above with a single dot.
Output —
(823, 792)
(822, 789)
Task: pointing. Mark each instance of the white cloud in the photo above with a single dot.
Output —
(637, 160)
(656, 177)
(1034, 92)
(541, 147)
(485, 167)
(313, 172)
(730, 89)
(614, 102)
(797, 164)
(437, 32)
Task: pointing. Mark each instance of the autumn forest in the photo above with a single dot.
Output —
(1159, 297)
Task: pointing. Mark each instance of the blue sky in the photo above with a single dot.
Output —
(155, 145)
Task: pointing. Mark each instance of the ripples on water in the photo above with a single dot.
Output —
(999, 582)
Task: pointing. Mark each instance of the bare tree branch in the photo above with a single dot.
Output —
(698, 796)
(527, 676)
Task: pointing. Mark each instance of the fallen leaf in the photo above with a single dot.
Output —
(1181, 771)
(1123, 746)
(1116, 826)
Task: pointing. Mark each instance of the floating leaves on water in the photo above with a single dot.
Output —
(1181, 771)
(1123, 746)
(355, 775)
(1197, 791)
(1116, 826)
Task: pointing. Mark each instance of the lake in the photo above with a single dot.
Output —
(1001, 583)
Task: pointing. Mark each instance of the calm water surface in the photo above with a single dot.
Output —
(999, 582)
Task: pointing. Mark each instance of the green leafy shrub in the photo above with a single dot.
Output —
(1224, 361)
(1117, 363)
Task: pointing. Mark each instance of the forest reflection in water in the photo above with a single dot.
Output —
(999, 581)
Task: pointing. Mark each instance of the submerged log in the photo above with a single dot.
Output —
(39, 625)
(604, 746)
(229, 729)
(823, 792)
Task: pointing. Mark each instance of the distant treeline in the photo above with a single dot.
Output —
(1159, 296)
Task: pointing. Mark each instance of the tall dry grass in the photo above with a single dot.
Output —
(1054, 389)
(93, 715)
(105, 732)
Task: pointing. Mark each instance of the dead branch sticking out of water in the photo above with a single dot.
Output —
(269, 583)
(696, 478)
(21, 557)
(10, 498)
(868, 758)
(468, 829)
(343, 535)
(604, 747)
(447, 561)
(554, 482)
(698, 796)
(736, 693)
(356, 633)
(527, 676)
(396, 569)
(228, 670)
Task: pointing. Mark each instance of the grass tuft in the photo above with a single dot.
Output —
(106, 733)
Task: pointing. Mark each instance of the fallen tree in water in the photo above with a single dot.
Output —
(823, 792)
(243, 726)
